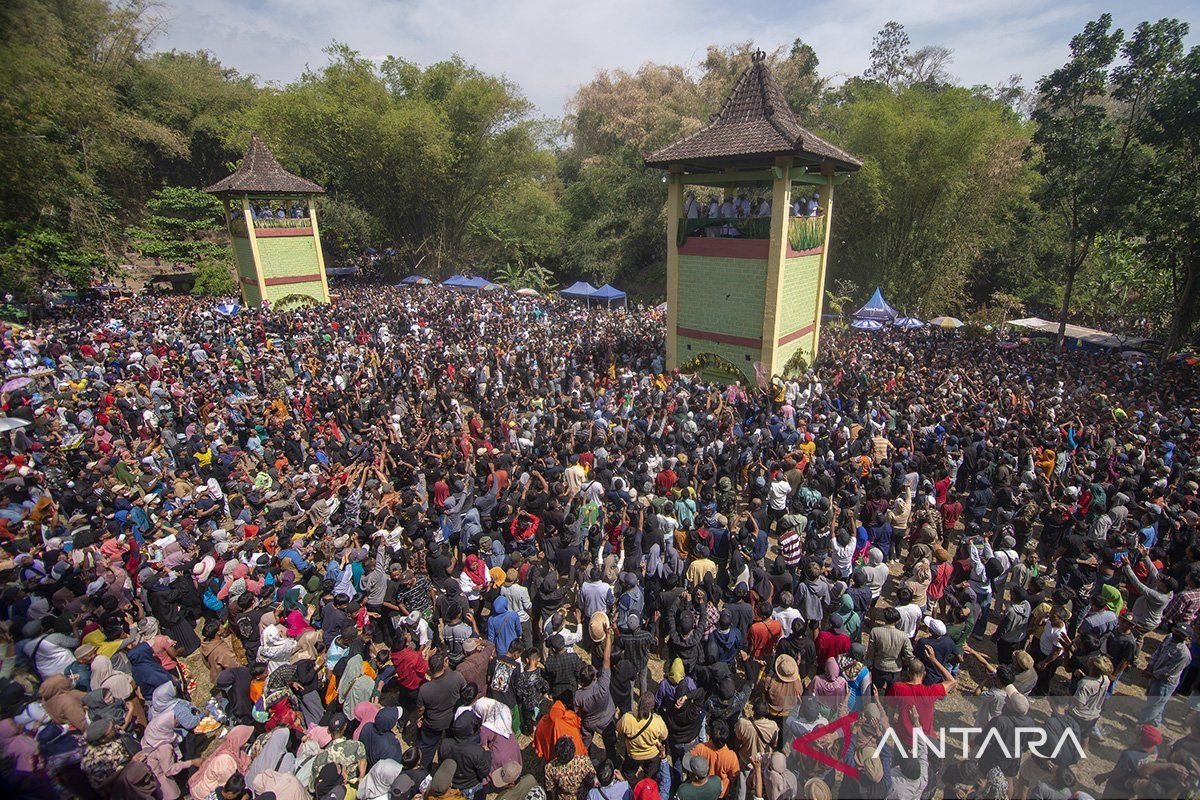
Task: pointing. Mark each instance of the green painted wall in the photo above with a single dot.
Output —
(245, 269)
(722, 295)
(310, 288)
(285, 256)
(798, 307)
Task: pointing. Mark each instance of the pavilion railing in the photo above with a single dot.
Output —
(238, 226)
(804, 233)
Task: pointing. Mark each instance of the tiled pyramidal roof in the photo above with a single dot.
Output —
(260, 171)
(755, 121)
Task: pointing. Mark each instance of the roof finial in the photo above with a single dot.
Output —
(757, 56)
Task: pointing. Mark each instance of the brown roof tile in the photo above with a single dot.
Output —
(755, 121)
(261, 172)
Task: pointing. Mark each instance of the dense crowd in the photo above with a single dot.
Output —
(423, 544)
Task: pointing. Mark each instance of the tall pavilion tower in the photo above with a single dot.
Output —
(748, 290)
(278, 254)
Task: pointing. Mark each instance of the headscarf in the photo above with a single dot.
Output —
(354, 686)
(296, 624)
(306, 646)
(496, 716)
(106, 676)
(560, 721)
(365, 713)
(271, 756)
(147, 672)
(163, 699)
(18, 746)
(135, 782)
(228, 758)
(283, 785)
(476, 570)
(379, 738)
(378, 780)
(63, 704)
(831, 687)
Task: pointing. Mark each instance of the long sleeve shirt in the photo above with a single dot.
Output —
(1147, 610)
(375, 583)
(1169, 661)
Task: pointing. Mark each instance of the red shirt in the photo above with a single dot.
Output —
(907, 695)
(831, 645)
(763, 637)
(410, 668)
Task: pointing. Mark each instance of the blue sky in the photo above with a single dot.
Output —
(550, 47)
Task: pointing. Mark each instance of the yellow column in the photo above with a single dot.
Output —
(826, 204)
(262, 284)
(674, 210)
(781, 200)
(312, 215)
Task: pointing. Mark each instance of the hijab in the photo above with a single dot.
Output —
(147, 672)
(106, 676)
(163, 699)
(296, 624)
(63, 704)
(496, 716)
(284, 786)
(378, 781)
(222, 763)
(365, 713)
(354, 686)
(271, 756)
(379, 738)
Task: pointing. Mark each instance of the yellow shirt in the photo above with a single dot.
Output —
(644, 746)
(698, 569)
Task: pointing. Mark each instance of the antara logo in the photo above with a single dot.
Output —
(975, 742)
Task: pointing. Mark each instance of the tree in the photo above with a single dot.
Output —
(33, 257)
(1168, 205)
(1084, 144)
(942, 168)
(889, 55)
(424, 150)
(177, 224)
(213, 278)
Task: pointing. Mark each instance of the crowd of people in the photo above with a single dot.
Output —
(422, 544)
(741, 206)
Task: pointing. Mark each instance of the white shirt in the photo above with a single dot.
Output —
(910, 618)
(777, 499)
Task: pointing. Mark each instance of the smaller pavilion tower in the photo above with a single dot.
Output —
(272, 222)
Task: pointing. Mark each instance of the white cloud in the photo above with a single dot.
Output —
(549, 47)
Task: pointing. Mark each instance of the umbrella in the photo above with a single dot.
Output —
(19, 382)
(12, 423)
(228, 309)
(946, 322)
(491, 287)
(908, 323)
(528, 293)
(661, 307)
(867, 325)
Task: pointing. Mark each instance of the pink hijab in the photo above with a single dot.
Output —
(296, 624)
(365, 712)
(229, 757)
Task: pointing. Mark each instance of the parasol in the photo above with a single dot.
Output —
(528, 293)
(946, 322)
(12, 423)
(867, 325)
(19, 382)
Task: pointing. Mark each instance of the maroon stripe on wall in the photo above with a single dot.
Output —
(794, 335)
(250, 281)
(723, 338)
(715, 247)
(267, 233)
(292, 279)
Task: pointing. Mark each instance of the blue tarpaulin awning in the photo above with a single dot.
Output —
(579, 289)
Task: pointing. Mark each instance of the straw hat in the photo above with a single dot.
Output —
(786, 669)
(598, 626)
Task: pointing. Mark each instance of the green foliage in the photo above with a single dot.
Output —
(940, 169)
(424, 150)
(35, 256)
(839, 297)
(526, 276)
(175, 226)
(346, 229)
(214, 278)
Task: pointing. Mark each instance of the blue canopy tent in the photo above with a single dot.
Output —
(455, 282)
(908, 323)
(866, 325)
(579, 290)
(419, 280)
(607, 294)
(877, 309)
(475, 283)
